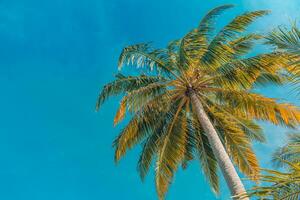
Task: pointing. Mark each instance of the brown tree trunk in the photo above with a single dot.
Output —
(233, 180)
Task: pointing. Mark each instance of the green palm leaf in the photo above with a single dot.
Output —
(288, 41)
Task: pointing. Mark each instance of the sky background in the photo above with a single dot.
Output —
(55, 56)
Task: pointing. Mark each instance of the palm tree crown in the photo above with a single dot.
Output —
(216, 70)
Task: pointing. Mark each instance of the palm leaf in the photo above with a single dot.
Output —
(171, 152)
(142, 55)
(214, 56)
(124, 84)
(288, 41)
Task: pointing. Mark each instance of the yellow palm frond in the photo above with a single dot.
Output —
(129, 137)
(124, 84)
(237, 143)
(121, 112)
(144, 122)
(256, 106)
(239, 147)
(211, 59)
(207, 158)
(172, 149)
(248, 72)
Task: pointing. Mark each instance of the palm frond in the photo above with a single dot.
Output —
(207, 159)
(150, 149)
(252, 130)
(289, 152)
(143, 55)
(239, 147)
(172, 148)
(285, 39)
(238, 25)
(191, 139)
(244, 44)
(124, 84)
(214, 56)
(194, 44)
(128, 138)
(142, 124)
(248, 72)
(138, 98)
(173, 49)
(236, 142)
(288, 41)
(259, 107)
(206, 26)
(121, 111)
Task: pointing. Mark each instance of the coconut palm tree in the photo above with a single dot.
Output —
(193, 100)
(282, 185)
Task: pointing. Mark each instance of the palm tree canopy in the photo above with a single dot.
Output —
(217, 69)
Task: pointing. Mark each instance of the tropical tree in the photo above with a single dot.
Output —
(282, 185)
(193, 100)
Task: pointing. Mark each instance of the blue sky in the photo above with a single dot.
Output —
(54, 57)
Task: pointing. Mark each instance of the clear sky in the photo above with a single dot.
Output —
(55, 56)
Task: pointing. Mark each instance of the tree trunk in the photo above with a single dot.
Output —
(233, 180)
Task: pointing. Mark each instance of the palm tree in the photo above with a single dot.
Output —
(193, 100)
(282, 185)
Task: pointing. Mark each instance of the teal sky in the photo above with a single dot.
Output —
(55, 56)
